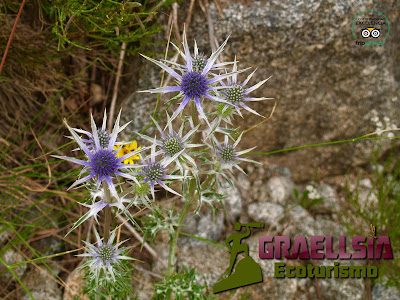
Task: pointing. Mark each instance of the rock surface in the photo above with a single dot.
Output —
(381, 292)
(74, 286)
(269, 213)
(280, 189)
(233, 200)
(41, 285)
(12, 257)
(204, 226)
(320, 77)
(329, 200)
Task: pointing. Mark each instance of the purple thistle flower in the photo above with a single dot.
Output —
(155, 172)
(105, 257)
(103, 163)
(237, 95)
(229, 156)
(172, 143)
(103, 135)
(195, 81)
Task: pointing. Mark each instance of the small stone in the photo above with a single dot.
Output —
(74, 285)
(5, 234)
(342, 288)
(329, 200)
(299, 222)
(12, 257)
(269, 213)
(367, 198)
(233, 201)
(96, 91)
(366, 182)
(280, 189)
(210, 261)
(244, 185)
(41, 285)
(205, 226)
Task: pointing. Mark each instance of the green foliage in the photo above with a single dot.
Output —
(157, 221)
(180, 286)
(88, 24)
(380, 208)
(211, 197)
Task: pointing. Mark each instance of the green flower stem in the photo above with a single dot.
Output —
(195, 120)
(361, 138)
(182, 217)
(207, 181)
(107, 223)
(107, 212)
(188, 203)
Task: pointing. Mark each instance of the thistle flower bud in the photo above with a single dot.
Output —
(234, 94)
(199, 62)
(172, 145)
(227, 153)
(153, 172)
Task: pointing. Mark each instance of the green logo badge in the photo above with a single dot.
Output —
(247, 271)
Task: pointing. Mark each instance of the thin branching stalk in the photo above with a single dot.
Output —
(185, 210)
(182, 217)
(107, 213)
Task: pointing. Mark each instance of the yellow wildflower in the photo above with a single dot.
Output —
(128, 148)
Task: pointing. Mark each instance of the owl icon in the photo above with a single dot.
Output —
(370, 32)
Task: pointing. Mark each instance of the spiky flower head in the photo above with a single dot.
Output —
(194, 85)
(155, 171)
(102, 134)
(197, 80)
(140, 194)
(105, 258)
(227, 152)
(142, 189)
(229, 155)
(237, 95)
(102, 164)
(234, 94)
(104, 138)
(174, 144)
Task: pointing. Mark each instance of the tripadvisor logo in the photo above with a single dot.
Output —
(370, 27)
(247, 271)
